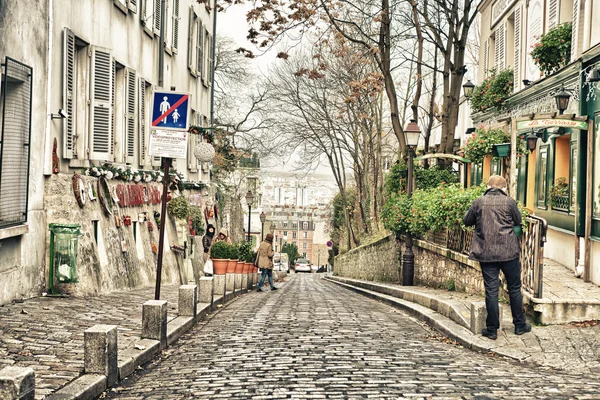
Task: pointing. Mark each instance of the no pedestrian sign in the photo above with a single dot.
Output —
(170, 111)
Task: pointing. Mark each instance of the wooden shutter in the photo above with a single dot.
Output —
(190, 55)
(199, 48)
(206, 57)
(576, 35)
(101, 108)
(552, 13)
(142, 150)
(517, 61)
(112, 101)
(130, 115)
(132, 4)
(192, 140)
(499, 53)
(210, 59)
(157, 17)
(175, 26)
(68, 85)
(486, 57)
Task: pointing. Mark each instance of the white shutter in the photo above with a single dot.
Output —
(101, 109)
(112, 102)
(486, 57)
(190, 54)
(133, 5)
(142, 150)
(517, 61)
(552, 13)
(499, 50)
(210, 59)
(156, 162)
(199, 48)
(192, 140)
(175, 25)
(130, 115)
(157, 17)
(121, 5)
(68, 84)
(576, 35)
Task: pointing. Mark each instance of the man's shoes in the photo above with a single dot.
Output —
(259, 290)
(490, 334)
(524, 329)
(274, 288)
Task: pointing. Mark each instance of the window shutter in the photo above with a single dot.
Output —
(175, 25)
(210, 60)
(486, 57)
(499, 51)
(193, 142)
(552, 13)
(112, 101)
(130, 116)
(68, 82)
(576, 33)
(132, 4)
(142, 150)
(101, 110)
(157, 17)
(199, 48)
(517, 65)
(190, 54)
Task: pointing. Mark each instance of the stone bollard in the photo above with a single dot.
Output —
(479, 315)
(244, 282)
(230, 279)
(238, 282)
(17, 383)
(154, 321)
(206, 290)
(100, 352)
(188, 300)
(219, 285)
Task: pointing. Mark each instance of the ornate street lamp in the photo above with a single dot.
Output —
(468, 89)
(249, 199)
(412, 133)
(562, 99)
(263, 217)
(533, 137)
(273, 227)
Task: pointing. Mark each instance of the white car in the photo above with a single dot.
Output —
(302, 265)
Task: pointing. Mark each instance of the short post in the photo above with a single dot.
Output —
(17, 383)
(154, 321)
(238, 282)
(100, 352)
(206, 289)
(230, 285)
(219, 284)
(188, 300)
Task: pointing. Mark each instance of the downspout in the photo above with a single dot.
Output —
(212, 62)
(47, 163)
(161, 45)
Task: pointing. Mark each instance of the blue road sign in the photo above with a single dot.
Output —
(170, 111)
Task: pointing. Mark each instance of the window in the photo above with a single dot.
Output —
(559, 192)
(542, 175)
(305, 234)
(596, 169)
(15, 122)
(284, 233)
(304, 246)
(285, 224)
(293, 235)
(574, 159)
(147, 16)
(496, 166)
(305, 226)
(175, 45)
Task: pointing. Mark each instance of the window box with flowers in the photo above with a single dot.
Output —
(553, 51)
(482, 142)
(559, 195)
(493, 91)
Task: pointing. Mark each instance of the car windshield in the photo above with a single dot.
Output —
(301, 261)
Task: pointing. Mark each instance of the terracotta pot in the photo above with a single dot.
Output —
(249, 267)
(239, 268)
(231, 266)
(220, 266)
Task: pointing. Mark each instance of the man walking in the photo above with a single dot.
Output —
(496, 247)
(265, 262)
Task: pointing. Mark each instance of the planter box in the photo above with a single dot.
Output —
(501, 150)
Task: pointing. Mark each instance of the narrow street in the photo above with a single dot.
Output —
(313, 339)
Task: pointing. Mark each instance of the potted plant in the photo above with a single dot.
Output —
(233, 258)
(492, 92)
(179, 207)
(219, 253)
(553, 51)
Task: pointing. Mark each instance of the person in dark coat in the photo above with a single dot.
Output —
(265, 262)
(496, 247)
(207, 240)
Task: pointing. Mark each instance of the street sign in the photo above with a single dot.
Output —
(329, 244)
(170, 111)
(170, 144)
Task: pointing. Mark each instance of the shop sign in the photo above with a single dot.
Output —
(552, 122)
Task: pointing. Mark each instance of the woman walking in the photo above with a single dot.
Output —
(265, 261)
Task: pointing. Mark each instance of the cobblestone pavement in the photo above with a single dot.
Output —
(46, 333)
(313, 339)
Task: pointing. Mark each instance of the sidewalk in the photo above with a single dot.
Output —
(573, 347)
(46, 333)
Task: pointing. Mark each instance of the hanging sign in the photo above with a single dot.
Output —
(170, 111)
(171, 144)
(552, 122)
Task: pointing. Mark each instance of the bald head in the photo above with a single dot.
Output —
(496, 182)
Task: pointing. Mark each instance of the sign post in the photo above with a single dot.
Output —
(168, 139)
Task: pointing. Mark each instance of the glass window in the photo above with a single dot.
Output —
(304, 246)
(573, 176)
(293, 235)
(284, 233)
(541, 176)
(596, 170)
(305, 235)
(496, 166)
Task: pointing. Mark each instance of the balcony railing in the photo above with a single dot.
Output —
(560, 203)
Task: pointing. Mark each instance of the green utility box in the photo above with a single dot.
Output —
(64, 239)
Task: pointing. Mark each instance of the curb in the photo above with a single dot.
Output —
(436, 320)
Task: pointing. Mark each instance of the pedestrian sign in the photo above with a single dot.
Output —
(170, 111)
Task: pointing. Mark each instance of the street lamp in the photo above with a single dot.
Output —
(412, 132)
(562, 99)
(263, 216)
(273, 227)
(249, 199)
(468, 89)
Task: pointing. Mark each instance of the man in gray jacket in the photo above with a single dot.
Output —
(496, 247)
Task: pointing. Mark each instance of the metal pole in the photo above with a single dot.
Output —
(163, 221)
(212, 62)
(408, 258)
(262, 231)
(249, 210)
(161, 46)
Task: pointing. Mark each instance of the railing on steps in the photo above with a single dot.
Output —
(532, 250)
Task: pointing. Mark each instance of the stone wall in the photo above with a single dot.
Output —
(435, 266)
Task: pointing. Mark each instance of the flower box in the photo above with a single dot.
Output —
(501, 150)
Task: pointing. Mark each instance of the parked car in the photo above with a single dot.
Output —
(302, 265)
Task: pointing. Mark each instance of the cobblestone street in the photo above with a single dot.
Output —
(313, 339)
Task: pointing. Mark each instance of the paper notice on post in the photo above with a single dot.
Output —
(170, 144)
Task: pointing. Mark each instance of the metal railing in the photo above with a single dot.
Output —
(560, 203)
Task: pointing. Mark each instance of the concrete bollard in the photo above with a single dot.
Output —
(154, 321)
(188, 300)
(206, 290)
(244, 282)
(100, 352)
(238, 282)
(17, 383)
(219, 285)
(230, 280)
(479, 315)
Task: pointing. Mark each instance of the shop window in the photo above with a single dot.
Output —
(559, 191)
(596, 168)
(15, 134)
(542, 176)
(496, 166)
(476, 173)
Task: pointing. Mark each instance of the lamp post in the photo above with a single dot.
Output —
(468, 89)
(263, 216)
(412, 132)
(249, 199)
(562, 99)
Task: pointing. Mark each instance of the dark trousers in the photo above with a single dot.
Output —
(512, 274)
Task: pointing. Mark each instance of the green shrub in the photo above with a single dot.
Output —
(234, 252)
(395, 180)
(197, 220)
(220, 250)
(179, 207)
(480, 144)
(245, 252)
(492, 91)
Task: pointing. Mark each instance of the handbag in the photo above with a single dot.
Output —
(208, 266)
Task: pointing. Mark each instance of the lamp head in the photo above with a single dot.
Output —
(412, 133)
(562, 99)
(249, 198)
(468, 89)
(262, 217)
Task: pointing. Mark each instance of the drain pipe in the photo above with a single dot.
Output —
(212, 72)
(161, 45)
(47, 163)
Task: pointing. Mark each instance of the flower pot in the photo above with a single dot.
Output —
(249, 267)
(220, 266)
(231, 266)
(501, 150)
(239, 268)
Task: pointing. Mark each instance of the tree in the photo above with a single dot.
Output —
(291, 250)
